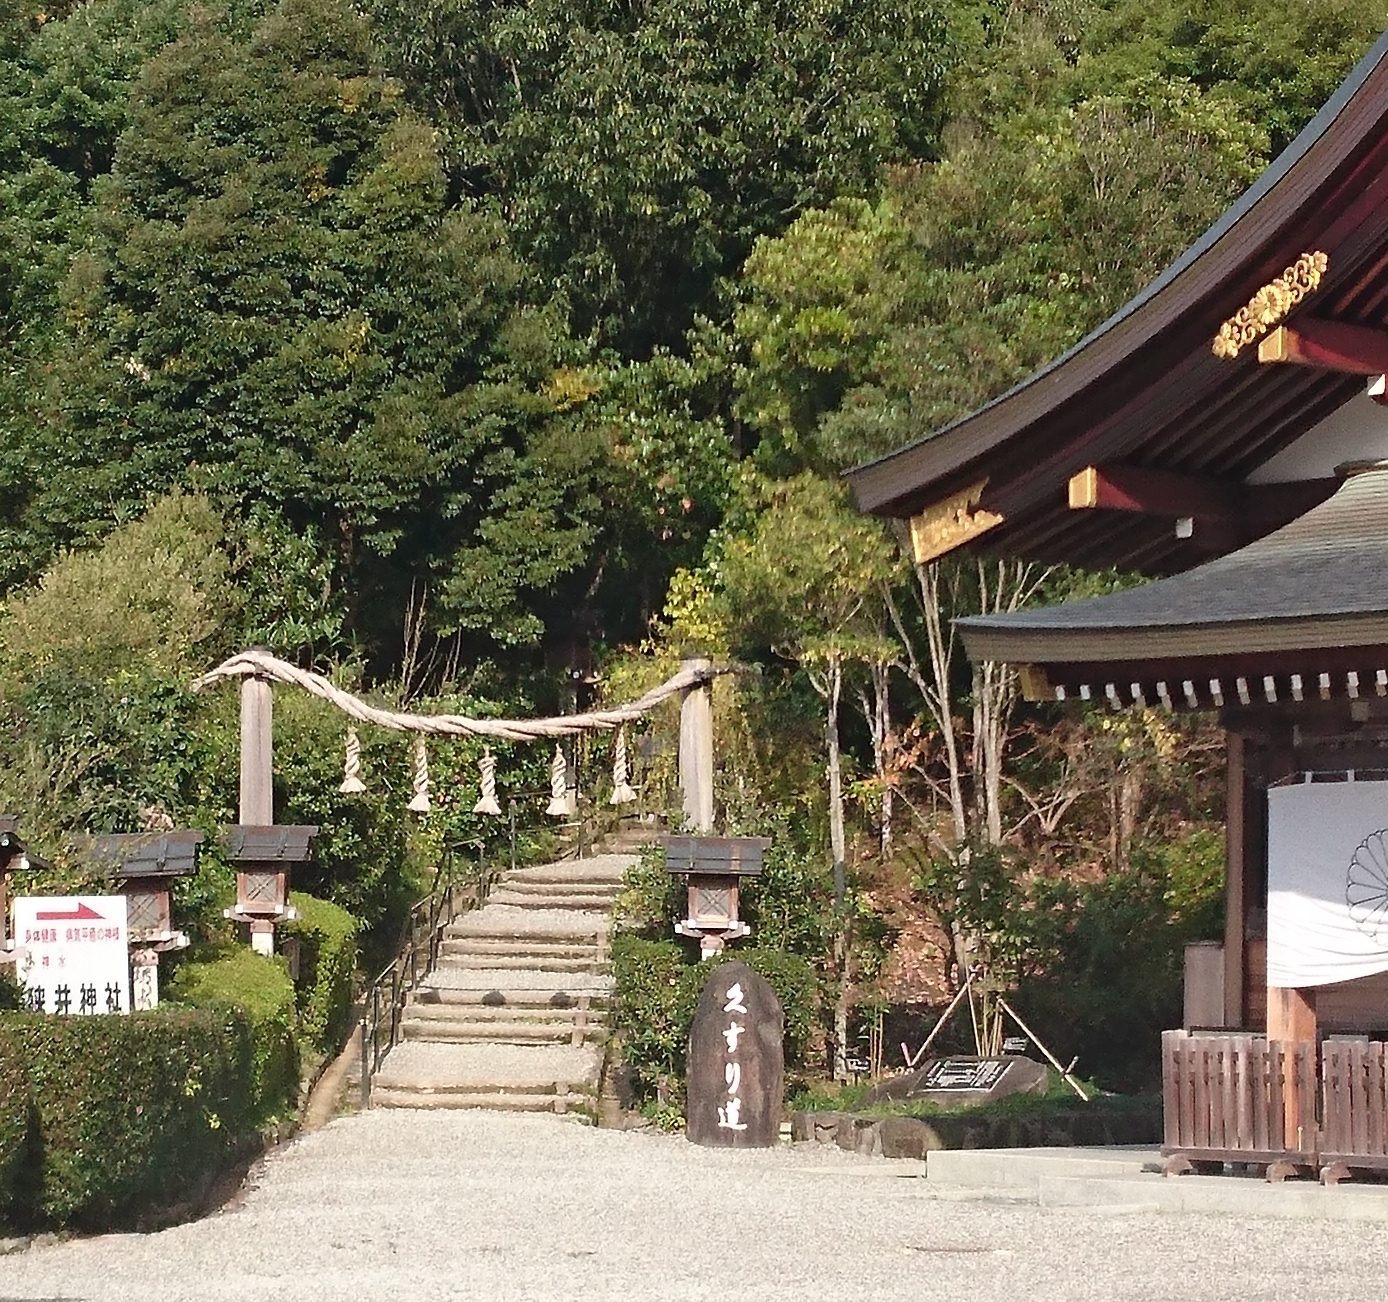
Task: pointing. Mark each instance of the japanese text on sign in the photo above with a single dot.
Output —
(730, 1113)
(73, 954)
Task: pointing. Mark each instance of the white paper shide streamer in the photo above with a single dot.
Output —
(419, 804)
(622, 794)
(560, 802)
(352, 785)
(488, 803)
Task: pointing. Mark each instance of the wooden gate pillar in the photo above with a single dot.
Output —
(696, 751)
(1292, 1017)
(257, 806)
(1235, 841)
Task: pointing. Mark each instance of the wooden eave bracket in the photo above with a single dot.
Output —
(1328, 345)
(1145, 491)
(950, 523)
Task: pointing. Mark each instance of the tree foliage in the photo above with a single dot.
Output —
(639, 150)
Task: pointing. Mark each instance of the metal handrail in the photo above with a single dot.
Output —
(383, 1002)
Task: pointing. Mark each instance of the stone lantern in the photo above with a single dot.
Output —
(712, 865)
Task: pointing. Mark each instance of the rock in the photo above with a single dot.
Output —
(907, 1137)
(736, 1067)
(964, 1081)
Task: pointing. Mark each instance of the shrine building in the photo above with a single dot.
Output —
(1226, 434)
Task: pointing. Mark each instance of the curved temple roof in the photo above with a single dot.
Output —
(1145, 396)
(1304, 607)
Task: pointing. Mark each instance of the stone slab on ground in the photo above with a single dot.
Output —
(1024, 1168)
(1220, 1195)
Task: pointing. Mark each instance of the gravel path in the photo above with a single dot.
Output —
(400, 1205)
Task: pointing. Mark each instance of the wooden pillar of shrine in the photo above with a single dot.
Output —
(1292, 1018)
(1234, 903)
(257, 804)
(696, 751)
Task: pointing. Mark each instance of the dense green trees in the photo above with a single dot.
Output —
(508, 314)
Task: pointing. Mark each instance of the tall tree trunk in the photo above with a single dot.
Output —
(838, 848)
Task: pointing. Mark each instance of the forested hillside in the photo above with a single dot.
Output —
(480, 341)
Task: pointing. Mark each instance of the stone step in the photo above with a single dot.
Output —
(502, 1016)
(580, 1106)
(515, 923)
(525, 962)
(444, 1069)
(481, 1032)
(552, 901)
(601, 869)
(503, 998)
(522, 946)
(539, 946)
(608, 888)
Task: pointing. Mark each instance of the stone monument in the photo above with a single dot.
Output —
(736, 1069)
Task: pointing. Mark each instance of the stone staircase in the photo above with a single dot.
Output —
(514, 1015)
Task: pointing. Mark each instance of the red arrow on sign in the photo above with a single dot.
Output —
(82, 913)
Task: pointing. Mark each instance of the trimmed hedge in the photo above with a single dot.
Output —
(235, 977)
(327, 938)
(102, 1118)
(657, 990)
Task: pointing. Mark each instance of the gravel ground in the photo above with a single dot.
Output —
(445, 1206)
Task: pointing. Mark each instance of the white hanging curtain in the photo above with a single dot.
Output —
(1327, 882)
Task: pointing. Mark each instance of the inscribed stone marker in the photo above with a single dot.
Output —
(736, 1072)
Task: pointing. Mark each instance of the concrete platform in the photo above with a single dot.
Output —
(1024, 1168)
(1119, 1180)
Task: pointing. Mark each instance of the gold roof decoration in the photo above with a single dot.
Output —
(1270, 304)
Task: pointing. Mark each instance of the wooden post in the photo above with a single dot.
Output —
(696, 751)
(1292, 1017)
(1291, 1013)
(1235, 841)
(257, 778)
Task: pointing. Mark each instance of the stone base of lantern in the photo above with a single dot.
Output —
(711, 940)
(262, 924)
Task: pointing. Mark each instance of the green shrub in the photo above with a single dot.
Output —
(236, 977)
(104, 1117)
(327, 969)
(657, 989)
(650, 1014)
(14, 1129)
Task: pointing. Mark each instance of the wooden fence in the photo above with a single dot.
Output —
(1242, 1098)
(1354, 1103)
(1238, 1098)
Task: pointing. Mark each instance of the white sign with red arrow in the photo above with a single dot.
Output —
(73, 954)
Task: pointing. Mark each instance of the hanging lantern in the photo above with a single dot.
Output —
(419, 804)
(622, 794)
(561, 804)
(352, 785)
(488, 803)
